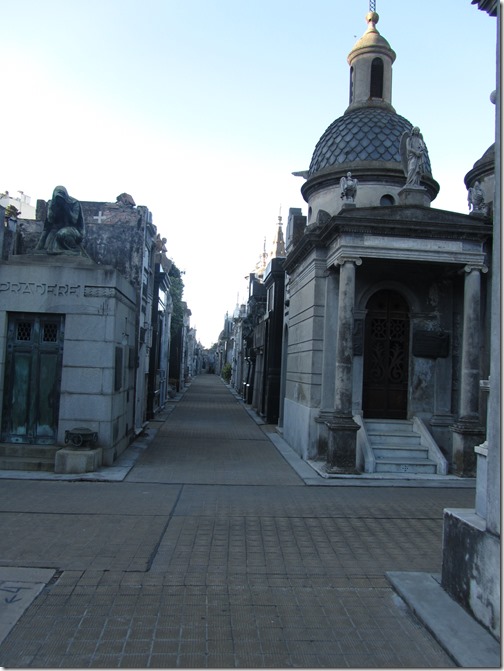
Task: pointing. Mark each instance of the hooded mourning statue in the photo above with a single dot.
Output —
(64, 225)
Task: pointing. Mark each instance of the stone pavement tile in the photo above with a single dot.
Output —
(220, 661)
(90, 498)
(191, 661)
(132, 661)
(230, 461)
(79, 542)
(321, 626)
(101, 661)
(163, 661)
(296, 547)
(320, 502)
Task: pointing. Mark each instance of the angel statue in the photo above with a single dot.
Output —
(348, 186)
(413, 156)
(476, 199)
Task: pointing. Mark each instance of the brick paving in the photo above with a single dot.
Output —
(213, 553)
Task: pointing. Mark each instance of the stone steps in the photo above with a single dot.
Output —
(397, 448)
(24, 457)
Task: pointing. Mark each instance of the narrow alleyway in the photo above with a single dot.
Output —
(212, 552)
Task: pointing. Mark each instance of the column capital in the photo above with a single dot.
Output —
(475, 266)
(341, 260)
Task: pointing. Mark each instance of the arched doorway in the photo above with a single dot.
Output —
(386, 356)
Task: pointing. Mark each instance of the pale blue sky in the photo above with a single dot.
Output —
(202, 109)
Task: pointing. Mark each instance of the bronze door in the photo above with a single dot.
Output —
(32, 379)
(386, 357)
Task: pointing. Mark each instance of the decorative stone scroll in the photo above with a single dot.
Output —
(81, 437)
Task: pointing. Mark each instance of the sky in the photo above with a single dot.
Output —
(202, 109)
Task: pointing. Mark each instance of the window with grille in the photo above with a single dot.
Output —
(50, 332)
(24, 331)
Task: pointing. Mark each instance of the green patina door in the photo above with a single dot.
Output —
(32, 378)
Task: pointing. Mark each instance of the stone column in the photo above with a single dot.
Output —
(341, 450)
(467, 431)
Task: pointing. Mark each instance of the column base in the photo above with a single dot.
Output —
(342, 444)
(466, 435)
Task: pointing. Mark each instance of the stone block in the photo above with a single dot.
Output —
(77, 355)
(84, 381)
(84, 408)
(70, 460)
(85, 327)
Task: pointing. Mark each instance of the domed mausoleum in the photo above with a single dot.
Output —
(388, 297)
(366, 140)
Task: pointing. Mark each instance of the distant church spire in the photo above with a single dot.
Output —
(279, 242)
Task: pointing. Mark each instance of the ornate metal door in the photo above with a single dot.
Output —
(32, 378)
(386, 357)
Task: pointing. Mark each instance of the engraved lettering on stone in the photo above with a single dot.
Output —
(40, 289)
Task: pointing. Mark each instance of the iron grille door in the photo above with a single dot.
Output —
(386, 357)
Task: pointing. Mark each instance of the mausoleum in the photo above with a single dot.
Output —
(388, 297)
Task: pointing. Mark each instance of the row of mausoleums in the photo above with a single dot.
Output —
(92, 337)
(373, 327)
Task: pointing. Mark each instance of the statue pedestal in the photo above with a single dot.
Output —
(71, 460)
(414, 195)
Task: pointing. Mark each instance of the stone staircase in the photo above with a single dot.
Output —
(24, 457)
(401, 447)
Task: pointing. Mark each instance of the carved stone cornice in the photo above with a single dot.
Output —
(400, 223)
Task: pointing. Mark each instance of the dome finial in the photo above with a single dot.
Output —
(372, 19)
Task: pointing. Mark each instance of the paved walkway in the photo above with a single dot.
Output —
(212, 551)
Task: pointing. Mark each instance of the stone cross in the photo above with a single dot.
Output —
(100, 218)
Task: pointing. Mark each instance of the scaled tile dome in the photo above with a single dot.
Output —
(364, 134)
